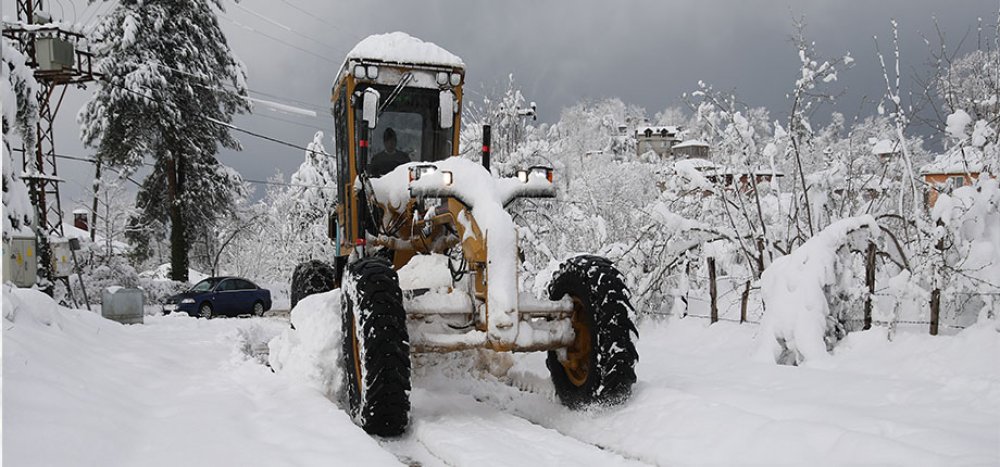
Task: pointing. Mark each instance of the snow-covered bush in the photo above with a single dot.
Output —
(802, 320)
(968, 253)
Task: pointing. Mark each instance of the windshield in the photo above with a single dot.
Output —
(416, 135)
(205, 285)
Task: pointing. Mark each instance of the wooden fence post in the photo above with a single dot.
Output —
(935, 310)
(712, 291)
(743, 303)
(870, 282)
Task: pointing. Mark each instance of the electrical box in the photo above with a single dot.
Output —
(62, 259)
(20, 261)
(122, 305)
(54, 54)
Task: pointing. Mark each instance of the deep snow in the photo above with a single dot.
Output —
(80, 390)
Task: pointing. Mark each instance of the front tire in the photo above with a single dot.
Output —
(205, 310)
(312, 277)
(599, 367)
(376, 348)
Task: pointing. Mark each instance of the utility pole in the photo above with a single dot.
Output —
(59, 57)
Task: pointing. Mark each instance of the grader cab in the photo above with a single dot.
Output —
(413, 204)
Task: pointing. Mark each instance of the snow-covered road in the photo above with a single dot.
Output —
(79, 390)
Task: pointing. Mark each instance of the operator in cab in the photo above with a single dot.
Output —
(389, 157)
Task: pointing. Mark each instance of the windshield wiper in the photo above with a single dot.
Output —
(403, 81)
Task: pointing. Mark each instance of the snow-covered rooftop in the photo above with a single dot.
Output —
(697, 163)
(885, 146)
(400, 47)
(691, 143)
(957, 161)
(671, 130)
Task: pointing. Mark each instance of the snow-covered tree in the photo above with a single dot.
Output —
(289, 225)
(18, 90)
(170, 85)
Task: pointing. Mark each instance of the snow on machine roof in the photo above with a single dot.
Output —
(400, 47)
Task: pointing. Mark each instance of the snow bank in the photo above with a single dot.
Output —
(794, 289)
(310, 353)
(82, 390)
(399, 47)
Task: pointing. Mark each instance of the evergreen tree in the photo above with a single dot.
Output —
(170, 83)
(18, 90)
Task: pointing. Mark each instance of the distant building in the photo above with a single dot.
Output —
(729, 178)
(691, 149)
(885, 149)
(658, 139)
(950, 171)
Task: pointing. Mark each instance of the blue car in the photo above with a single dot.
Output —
(221, 296)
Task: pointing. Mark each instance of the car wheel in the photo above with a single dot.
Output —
(206, 310)
(258, 309)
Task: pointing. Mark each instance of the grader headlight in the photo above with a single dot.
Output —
(421, 170)
(538, 171)
(542, 171)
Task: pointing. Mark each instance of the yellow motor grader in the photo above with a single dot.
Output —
(398, 95)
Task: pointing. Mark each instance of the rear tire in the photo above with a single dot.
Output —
(312, 277)
(599, 368)
(376, 348)
(258, 309)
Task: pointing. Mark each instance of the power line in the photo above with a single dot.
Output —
(227, 125)
(314, 16)
(305, 104)
(288, 102)
(272, 117)
(91, 160)
(282, 26)
(289, 44)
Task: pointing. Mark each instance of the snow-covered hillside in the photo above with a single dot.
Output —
(80, 390)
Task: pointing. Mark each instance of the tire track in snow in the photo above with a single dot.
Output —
(459, 429)
(537, 406)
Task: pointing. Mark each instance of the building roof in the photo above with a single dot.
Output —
(885, 146)
(691, 143)
(658, 130)
(959, 160)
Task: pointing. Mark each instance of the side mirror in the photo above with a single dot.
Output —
(446, 108)
(369, 107)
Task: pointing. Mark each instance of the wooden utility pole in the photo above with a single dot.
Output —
(870, 282)
(713, 290)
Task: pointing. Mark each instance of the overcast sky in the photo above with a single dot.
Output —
(645, 52)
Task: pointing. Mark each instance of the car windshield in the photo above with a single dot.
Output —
(205, 285)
